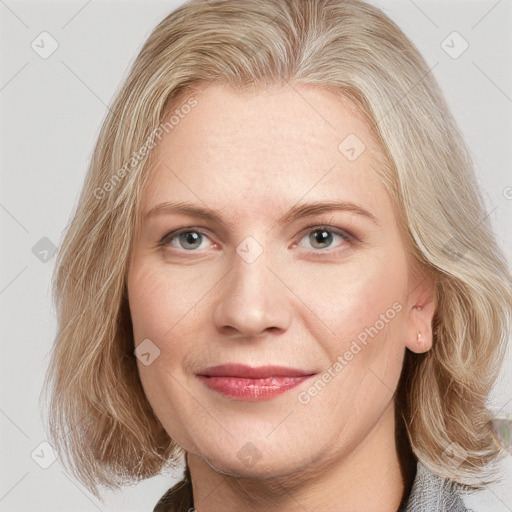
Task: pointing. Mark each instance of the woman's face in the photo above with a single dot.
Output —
(260, 278)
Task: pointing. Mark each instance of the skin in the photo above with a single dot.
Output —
(252, 157)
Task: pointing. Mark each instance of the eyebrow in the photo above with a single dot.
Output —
(296, 212)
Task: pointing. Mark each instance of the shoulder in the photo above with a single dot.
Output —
(431, 493)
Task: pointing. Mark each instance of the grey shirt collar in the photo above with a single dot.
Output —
(431, 493)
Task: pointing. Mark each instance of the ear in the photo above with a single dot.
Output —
(420, 310)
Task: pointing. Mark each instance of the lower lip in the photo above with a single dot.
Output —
(252, 390)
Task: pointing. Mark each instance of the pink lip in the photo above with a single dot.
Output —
(250, 384)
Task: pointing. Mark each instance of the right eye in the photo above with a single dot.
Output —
(187, 239)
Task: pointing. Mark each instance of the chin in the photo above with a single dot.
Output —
(256, 460)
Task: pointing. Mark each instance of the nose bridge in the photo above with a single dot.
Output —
(253, 299)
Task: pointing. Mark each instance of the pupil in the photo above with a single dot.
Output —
(321, 236)
(190, 237)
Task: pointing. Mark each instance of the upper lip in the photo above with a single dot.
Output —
(251, 372)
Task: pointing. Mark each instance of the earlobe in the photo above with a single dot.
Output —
(421, 344)
(421, 306)
(420, 336)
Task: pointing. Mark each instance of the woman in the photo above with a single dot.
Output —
(280, 272)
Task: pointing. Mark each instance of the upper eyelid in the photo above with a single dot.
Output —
(177, 232)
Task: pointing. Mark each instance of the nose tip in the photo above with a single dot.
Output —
(252, 301)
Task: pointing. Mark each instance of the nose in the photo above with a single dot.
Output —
(253, 300)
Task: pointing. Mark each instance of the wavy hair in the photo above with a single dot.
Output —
(98, 417)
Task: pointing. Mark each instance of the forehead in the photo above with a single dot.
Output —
(265, 149)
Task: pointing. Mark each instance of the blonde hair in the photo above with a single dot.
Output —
(98, 416)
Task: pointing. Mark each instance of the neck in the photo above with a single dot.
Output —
(369, 478)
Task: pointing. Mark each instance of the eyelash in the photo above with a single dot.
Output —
(345, 235)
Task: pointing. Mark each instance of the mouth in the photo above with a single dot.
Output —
(252, 384)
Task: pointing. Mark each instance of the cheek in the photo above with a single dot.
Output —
(162, 302)
(158, 310)
(351, 298)
(361, 306)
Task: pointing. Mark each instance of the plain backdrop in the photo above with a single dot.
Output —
(51, 112)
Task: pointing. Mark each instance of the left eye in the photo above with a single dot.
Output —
(322, 237)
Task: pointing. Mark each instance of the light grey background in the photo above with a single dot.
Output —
(51, 112)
